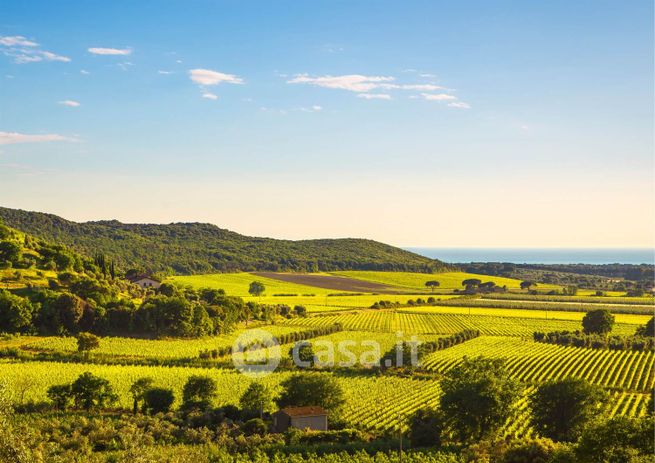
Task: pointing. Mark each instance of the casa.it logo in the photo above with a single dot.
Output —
(256, 353)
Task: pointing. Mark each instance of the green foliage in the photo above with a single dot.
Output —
(426, 427)
(617, 440)
(138, 390)
(598, 321)
(312, 389)
(60, 395)
(478, 396)
(562, 409)
(530, 451)
(87, 342)
(303, 353)
(256, 288)
(198, 392)
(648, 329)
(256, 400)
(158, 400)
(16, 313)
(10, 251)
(432, 284)
(255, 426)
(188, 248)
(89, 392)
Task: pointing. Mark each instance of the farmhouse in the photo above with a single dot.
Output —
(145, 281)
(314, 418)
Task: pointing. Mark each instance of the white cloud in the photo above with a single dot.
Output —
(70, 103)
(27, 51)
(85, 72)
(110, 51)
(459, 104)
(418, 87)
(164, 72)
(10, 138)
(317, 108)
(438, 96)
(17, 41)
(209, 77)
(350, 82)
(49, 56)
(210, 96)
(374, 96)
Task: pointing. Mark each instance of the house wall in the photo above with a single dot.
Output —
(316, 423)
(147, 283)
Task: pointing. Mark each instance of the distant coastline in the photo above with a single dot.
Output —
(541, 255)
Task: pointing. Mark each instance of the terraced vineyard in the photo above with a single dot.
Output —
(377, 403)
(533, 362)
(438, 323)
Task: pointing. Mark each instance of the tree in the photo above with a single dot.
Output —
(471, 284)
(60, 395)
(138, 390)
(256, 400)
(308, 389)
(16, 313)
(598, 321)
(10, 251)
(527, 284)
(256, 288)
(647, 330)
(89, 391)
(432, 284)
(426, 427)
(561, 409)
(199, 391)
(531, 450)
(158, 400)
(619, 439)
(300, 310)
(87, 342)
(303, 351)
(256, 426)
(478, 396)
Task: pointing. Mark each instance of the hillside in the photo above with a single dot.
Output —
(189, 248)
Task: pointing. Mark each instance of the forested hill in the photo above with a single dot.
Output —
(187, 248)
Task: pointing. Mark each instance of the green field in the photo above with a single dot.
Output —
(426, 321)
(447, 280)
(236, 284)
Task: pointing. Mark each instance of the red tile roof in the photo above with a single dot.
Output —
(304, 411)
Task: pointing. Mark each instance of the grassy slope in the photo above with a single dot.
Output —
(416, 281)
(236, 284)
(189, 248)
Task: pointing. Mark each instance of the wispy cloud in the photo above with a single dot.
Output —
(375, 87)
(84, 72)
(25, 51)
(438, 96)
(351, 82)
(70, 103)
(374, 96)
(459, 104)
(210, 96)
(110, 51)
(17, 41)
(164, 72)
(11, 138)
(209, 77)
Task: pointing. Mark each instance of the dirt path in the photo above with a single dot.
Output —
(330, 282)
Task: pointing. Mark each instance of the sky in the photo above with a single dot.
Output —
(416, 123)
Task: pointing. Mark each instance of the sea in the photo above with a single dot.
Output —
(541, 255)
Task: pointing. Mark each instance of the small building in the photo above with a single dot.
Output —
(313, 418)
(145, 281)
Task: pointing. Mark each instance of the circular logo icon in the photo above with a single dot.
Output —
(256, 353)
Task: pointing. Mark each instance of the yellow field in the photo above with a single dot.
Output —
(447, 280)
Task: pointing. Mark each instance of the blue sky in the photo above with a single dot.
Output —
(415, 123)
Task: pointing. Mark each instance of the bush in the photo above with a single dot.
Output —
(255, 426)
(158, 400)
